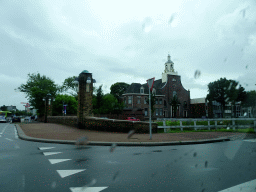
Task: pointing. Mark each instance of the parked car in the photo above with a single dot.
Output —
(16, 119)
(8, 119)
(2, 119)
(132, 119)
(27, 118)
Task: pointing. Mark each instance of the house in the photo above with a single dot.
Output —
(164, 89)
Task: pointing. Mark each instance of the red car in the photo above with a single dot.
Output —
(132, 119)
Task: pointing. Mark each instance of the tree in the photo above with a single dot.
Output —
(36, 88)
(118, 89)
(153, 102)
(250, 100)
(67, 99)
(69, 84)
(4, 108)
(224, 91)
(98, 101)
(175, 103)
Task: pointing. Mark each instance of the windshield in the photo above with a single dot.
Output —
(162, 71)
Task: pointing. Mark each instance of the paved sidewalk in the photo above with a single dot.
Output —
(56, 133)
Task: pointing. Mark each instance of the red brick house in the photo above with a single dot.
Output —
(165, 88)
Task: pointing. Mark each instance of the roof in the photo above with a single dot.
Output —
(197, 100)
(135, 87)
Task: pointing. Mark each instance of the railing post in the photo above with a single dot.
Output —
(181, 128)
(164, 126)
(195, 125)
(233, 124)
(215, 124)
(209, 125)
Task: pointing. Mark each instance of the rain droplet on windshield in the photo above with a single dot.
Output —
(116, 174)
(206, 163)
(147, 24)
(197, 74)
(195, 154)
(171, 18)
(82, 141)
(130, 134)
(112, 148)
(90, 184)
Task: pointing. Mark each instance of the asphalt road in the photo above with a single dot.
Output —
(34, 166)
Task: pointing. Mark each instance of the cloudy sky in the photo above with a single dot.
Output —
(126, 41)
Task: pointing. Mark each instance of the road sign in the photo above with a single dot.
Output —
(151, 83)
(27, 105)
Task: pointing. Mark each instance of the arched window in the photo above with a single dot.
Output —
(174, 93)
(142, 90)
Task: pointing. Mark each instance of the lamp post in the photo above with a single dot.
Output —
(47, 101)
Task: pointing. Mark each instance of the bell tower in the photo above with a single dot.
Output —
(169, 69)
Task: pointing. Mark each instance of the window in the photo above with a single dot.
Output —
(160, 101)
(174, 93)
(146, 111)
(145, 100)
(238, 112)
(129, 99)
(160, 112)
(156, 112)
(125, 100)
(153, 91)
(156, 101)
(164, 103)
(138, 100)
(185, 104)
(142, 90)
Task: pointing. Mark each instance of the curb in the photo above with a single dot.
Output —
(23, 136)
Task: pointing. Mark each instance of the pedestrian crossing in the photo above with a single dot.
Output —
(251, 140)
(70, 172)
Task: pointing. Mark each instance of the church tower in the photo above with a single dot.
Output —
(169, 70)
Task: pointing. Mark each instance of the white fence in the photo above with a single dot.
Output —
(209, 126)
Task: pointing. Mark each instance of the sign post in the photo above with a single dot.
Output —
(150, 86)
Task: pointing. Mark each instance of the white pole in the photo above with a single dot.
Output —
(150, 128)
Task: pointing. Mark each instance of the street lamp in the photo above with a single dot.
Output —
(47, 101)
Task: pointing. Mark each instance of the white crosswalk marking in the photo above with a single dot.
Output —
(44, 148)
(15, 133)
(51, 153)
(54, 161)
(244, 187)
(251, 140)
(65, 173)
(87, 189)
(8, 139)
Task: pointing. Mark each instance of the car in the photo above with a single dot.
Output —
(16, 119)
(132, 119)
(8, 119)
(27, 118)
(2, 119)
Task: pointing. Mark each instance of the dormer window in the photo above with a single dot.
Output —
(142, 90)
(153, 91)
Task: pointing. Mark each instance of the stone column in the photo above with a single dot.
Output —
(84, 97)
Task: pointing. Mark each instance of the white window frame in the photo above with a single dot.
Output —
(138, 100)
(160, 112)
(146, 111)
(156, 111)
(142, 90)
(129, 99)
(160, 101)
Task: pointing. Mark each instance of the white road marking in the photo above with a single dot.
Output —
(244, 187)
(8, 139)
(15, 133)
(87, 189)
(51, 153)
(251, 140)
(4, 128)
(44, 148)
(54, 161)
(65, 173)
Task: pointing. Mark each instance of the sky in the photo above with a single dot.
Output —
(126, 41)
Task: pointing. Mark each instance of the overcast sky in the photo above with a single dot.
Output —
(126, 41)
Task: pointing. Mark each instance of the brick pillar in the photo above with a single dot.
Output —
(84, 97)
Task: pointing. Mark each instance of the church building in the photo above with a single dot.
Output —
(165, 89)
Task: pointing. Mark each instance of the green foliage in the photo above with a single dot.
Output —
(36, 88)
(224, 91)
(69, 85)
(118, 89)
(4, 108)
(67, 99)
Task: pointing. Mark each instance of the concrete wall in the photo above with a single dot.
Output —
(93, 123)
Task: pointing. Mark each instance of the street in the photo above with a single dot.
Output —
(34, 166)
